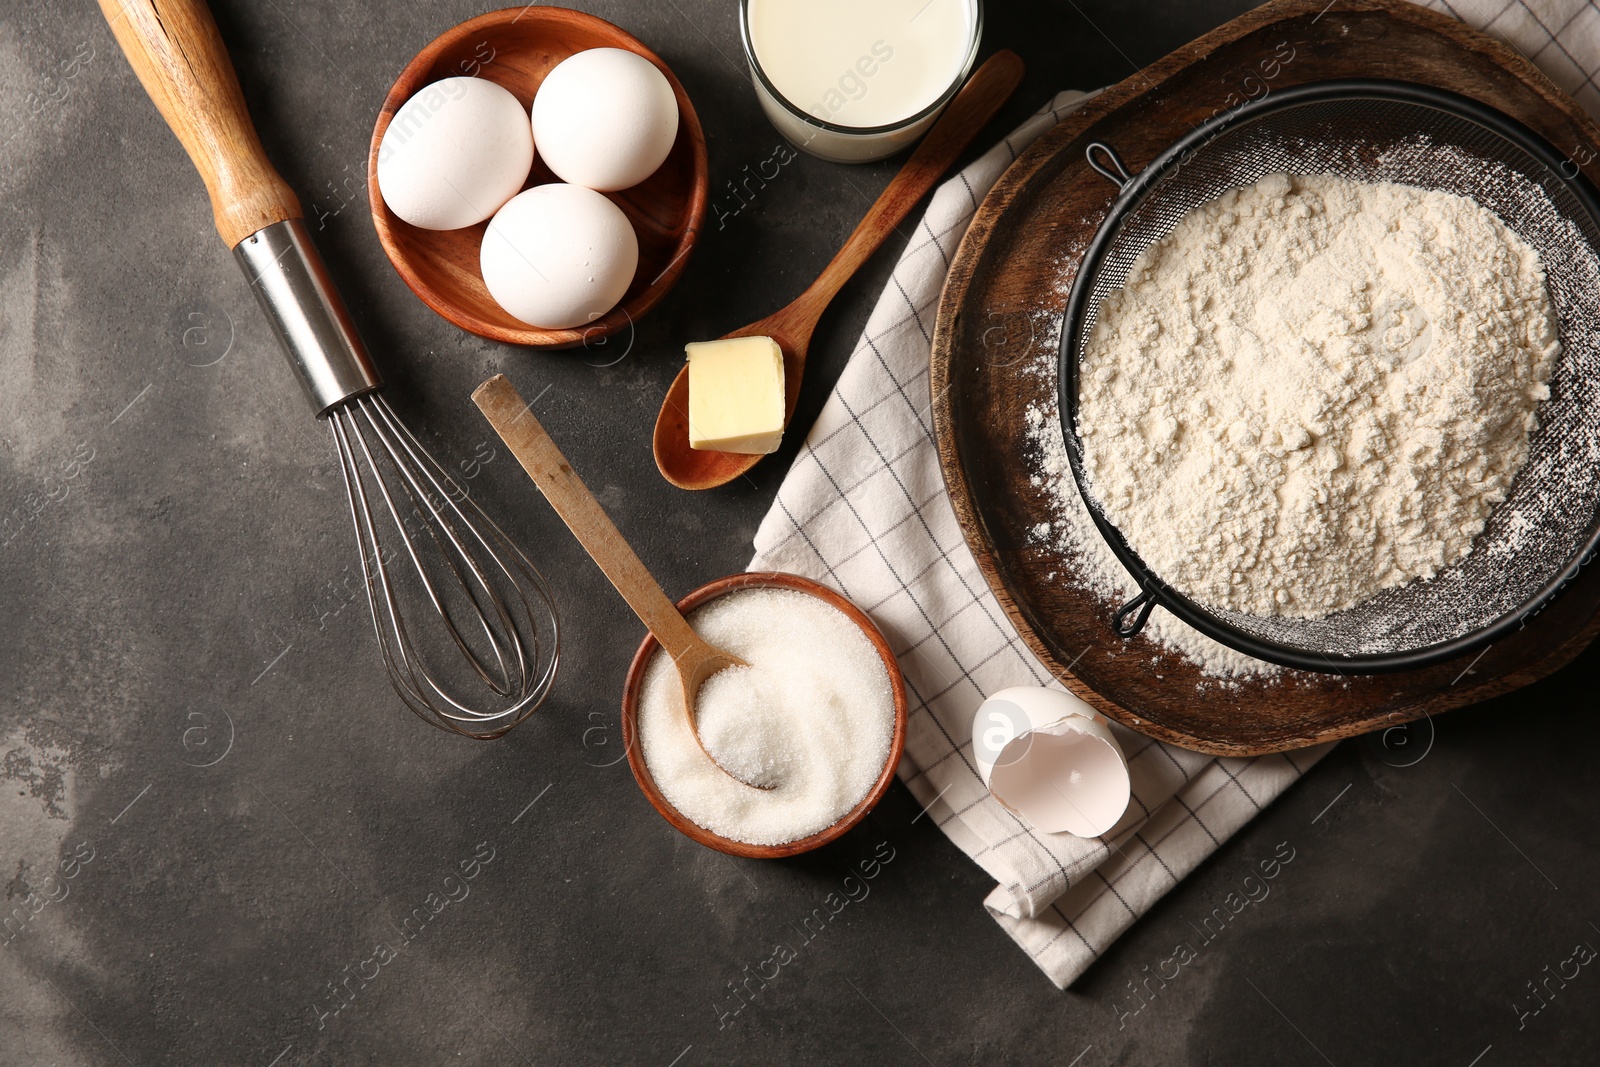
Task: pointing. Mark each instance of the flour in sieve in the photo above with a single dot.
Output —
(1315, 389)
(1072, 532)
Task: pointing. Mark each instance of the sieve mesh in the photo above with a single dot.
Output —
(1536, 537)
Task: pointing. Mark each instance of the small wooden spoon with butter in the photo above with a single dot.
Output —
(695, 658)
(791, 328)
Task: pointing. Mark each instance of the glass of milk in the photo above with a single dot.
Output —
(857, 80)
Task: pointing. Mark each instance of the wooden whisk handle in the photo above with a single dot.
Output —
(175, 49)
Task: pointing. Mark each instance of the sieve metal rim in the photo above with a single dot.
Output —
(1130, 618)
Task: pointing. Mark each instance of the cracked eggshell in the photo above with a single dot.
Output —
(1047, 756)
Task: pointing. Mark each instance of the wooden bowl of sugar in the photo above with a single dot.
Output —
(515, 48)
(635, 688)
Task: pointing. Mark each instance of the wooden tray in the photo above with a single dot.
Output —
(1016, 264)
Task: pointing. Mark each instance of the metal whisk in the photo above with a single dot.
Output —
(422, 538)
(507, 630)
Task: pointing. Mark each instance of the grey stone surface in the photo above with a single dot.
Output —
(174, 576)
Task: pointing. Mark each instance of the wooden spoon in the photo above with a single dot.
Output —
(694, 657)
(969, 112)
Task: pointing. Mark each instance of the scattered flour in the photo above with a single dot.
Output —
(1312, 390)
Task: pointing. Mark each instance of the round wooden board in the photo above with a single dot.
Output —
(1012, 273)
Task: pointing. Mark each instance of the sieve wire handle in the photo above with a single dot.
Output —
(1132, 616)
(1111, 166)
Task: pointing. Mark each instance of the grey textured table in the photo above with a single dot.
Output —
(216, 813)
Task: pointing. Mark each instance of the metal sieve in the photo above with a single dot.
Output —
(1548, 527)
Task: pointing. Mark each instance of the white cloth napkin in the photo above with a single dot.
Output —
(1561, 37)
(864, 510)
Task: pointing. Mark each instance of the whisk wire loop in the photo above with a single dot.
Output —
(419, 497)
(493, 603)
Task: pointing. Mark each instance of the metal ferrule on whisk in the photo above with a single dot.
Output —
(294, 289)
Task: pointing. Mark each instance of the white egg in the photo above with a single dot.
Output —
(454, 153)
(605, 118)
(558, 256)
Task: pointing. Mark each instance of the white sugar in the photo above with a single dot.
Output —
(812, 717)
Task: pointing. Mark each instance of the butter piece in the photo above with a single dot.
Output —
(736, 396)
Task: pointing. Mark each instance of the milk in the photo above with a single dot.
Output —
(843, 78)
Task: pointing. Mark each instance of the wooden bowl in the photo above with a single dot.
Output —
(635, 683)
(516, 48)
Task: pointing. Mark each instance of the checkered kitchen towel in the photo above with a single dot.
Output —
(864, 510)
